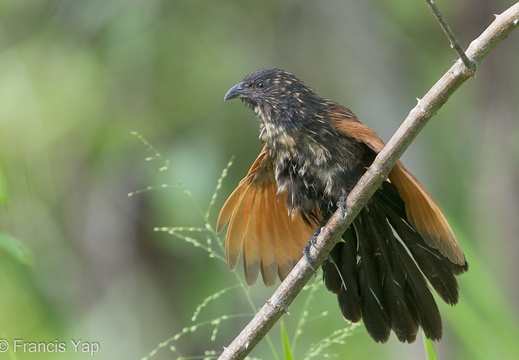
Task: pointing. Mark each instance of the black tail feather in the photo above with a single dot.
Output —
(344, 284)
(385, 267)
(394, 279)
(419, 295)
(373, 300)
(439, 270)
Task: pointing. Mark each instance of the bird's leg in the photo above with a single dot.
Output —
(340, 205)
(312, 241)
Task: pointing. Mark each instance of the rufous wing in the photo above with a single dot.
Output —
(425, 215)
(422, 211)
(260, 226)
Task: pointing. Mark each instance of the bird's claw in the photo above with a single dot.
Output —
(311, 242)
(340, 205)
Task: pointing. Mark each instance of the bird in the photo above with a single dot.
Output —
(389, 259)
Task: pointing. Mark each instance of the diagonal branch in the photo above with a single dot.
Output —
(426, 108)
(447, 30)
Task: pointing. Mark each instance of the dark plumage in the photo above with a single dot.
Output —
(315, 152)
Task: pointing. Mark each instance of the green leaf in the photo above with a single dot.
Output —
(15, 249)
(429, 348)
(286, 344)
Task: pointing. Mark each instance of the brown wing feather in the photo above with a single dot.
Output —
(260, 226)
(423, 213)
(251, 241)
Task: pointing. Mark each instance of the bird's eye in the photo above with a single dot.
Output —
(261, 84)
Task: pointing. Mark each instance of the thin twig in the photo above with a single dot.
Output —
(427, 107)
(447, 30)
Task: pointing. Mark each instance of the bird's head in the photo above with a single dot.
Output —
(274, 93)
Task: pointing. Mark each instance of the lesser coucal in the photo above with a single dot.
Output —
(315, 150)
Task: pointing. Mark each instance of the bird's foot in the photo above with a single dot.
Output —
(309, 244)
(312, 241)
(340, 205)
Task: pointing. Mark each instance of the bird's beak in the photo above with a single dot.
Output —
(237, 90)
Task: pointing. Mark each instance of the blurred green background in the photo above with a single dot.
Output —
(79, 259)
